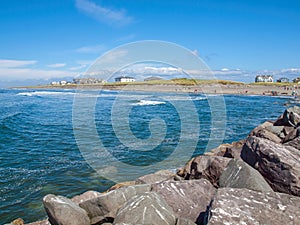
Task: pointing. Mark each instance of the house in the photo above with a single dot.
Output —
(124, 79)
(283, 80)
(89, 80)
(264, 78)
(297, 80)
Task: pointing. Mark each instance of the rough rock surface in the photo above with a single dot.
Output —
(147, 208)
(208, 167)
(85, 196)
(239, 174)
(278, 164)
(232, 150)
(62, 211)
(243, 206)
(106, 205)
(183, 221)
(189, 198)
(157, 177)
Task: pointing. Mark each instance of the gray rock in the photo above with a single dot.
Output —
(62, 211)
(239, 174)
(148, 208)
(265, 131)
(243, 206)
(189, 199)
(277, 163)
(85, 196)
(107, 205)
(295, 143)
(157, 177)
(183, 221)
(208, 167)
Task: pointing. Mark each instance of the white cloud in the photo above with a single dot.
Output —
(57, 65)
(95, 49)
(7, 63)
(28, 73)
(104, 14)
(78, 67)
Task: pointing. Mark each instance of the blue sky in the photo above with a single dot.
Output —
(60, 38)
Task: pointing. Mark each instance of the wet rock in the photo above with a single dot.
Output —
(208, 167)
(62, 211)
(147, 208)
(85, 196)
(243, 206)
(239, 174)
(157, 177)
(277, 163)
(189, 198)
(106, 205)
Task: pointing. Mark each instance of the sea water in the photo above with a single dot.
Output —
(40, 149)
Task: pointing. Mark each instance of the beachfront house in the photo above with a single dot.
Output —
(124, 79)
(88, 80)
(297, 80)
(283, 80)
(264, 78)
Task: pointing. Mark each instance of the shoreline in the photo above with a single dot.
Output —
(236, 89)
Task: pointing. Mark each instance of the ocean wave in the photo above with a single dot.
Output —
(44, 93)
(148, 102)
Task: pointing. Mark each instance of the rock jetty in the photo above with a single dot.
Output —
(253, 181)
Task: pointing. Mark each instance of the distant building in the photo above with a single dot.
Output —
(124, 79)
(264, 78)
(152, 78)
(297, 80)
(283, 80)
(55, 83)
(63, 82)
(89, 80)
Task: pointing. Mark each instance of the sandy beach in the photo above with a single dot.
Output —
(236, 89)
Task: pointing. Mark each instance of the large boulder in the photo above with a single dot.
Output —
(62, 211)
(157, 177)
(232, 150)
(239, 174)
(243, 206)
(208, 167)
(147, 208)
(278, 164)
(189, 198)
(290, 117)
(106, 206)
(85, 196)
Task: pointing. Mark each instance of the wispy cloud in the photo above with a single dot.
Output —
(57, 65)
(104, 14)
(93, 49)
(8, 63)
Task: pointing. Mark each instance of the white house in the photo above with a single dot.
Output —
(264, 78)
(124, 79)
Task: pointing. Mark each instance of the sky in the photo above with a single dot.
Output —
(237, 39)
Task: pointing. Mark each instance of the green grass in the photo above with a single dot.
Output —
(278, 84)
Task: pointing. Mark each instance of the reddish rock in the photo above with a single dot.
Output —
(208, 167)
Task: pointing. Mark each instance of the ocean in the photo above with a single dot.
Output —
(66, 142)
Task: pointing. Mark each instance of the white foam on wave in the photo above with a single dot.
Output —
(148, 102)
(44, 93)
